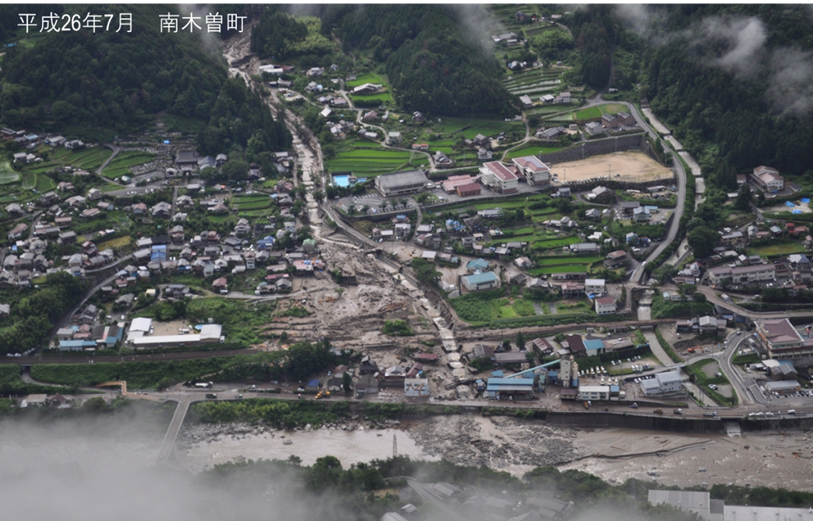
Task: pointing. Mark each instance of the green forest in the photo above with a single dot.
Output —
(735, 119)
(121, 80)
(430, 63)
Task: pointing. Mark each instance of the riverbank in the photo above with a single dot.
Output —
(516, 446)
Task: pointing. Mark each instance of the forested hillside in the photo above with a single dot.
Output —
(121, 80)
(432, 64)
(733, 81)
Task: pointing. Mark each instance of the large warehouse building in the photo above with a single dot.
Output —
(401, 183)
(139, 336)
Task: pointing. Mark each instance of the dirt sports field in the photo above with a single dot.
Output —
(621, 166)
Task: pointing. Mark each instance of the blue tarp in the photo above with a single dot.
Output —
(497, 374)
(796, 211)
(789, 204)
(806, 200)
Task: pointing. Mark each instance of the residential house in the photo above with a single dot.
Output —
(572, 290)
(17, 232)
(162, 210)
(735, 239)
(605, 305)
(742, 274)
(220, 284)
(594, 128)
(595, 287)
(616, 259)
(523, 262)
(14, 210)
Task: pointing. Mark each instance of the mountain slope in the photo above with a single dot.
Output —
(431, 61)
(121, 80)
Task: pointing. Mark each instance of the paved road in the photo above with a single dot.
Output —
(656, 348)
(712, 297)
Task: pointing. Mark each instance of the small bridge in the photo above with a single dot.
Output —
(123, 386)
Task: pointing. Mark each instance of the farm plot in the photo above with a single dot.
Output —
(372, 161)
(252, 202)
(7, 174)
(531, 151)
(383, 97)
(624, 166)
(88, 159)
(600, 110)
(124, 161)
(369, 77)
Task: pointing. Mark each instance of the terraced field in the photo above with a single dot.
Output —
(366, 159)
(124, 161)
(88, 159)
(531, 151)
(251, 202)
(563, 264)
(535, 82)
(7, 174)
(592, 112)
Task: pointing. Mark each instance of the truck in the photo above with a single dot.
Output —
(711, 414)
(658, 411)
(211, 396)
(203, 385)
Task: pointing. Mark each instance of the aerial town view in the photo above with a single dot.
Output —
(406, 262)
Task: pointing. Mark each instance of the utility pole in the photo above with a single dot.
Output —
(394, 446)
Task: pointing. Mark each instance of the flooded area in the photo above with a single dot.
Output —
(770, 459)
(250, 443)
(516, 446)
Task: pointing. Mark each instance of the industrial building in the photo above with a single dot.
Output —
(663, 383)
(716, 510)
(698, 502)
(509, 388)
(140, 336)
(568, 372)
(594, 392)
(480, 281)
(783, 387)
(401, 183)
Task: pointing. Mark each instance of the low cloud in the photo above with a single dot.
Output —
(790, 86)
(741, 43)
(737, 45)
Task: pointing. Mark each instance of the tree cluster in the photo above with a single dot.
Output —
(32, 317)
(431, 64)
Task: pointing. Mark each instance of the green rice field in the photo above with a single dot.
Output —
(383, 97)
(773, 250)
(369, 77)
(366, 159)
(88, 159)
(7, 174)
(124, 161)
(531, 151)
(598, 111)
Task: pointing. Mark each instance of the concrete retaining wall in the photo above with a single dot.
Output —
(631, 421)
(601, 146)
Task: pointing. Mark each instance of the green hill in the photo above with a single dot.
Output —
(119, 81)
(431, 60)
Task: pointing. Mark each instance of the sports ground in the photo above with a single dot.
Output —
(621, 166)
